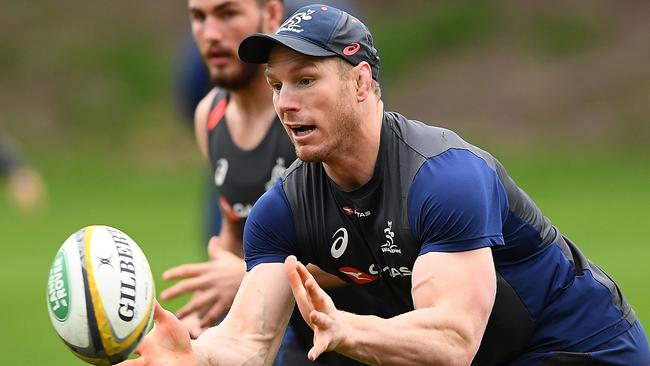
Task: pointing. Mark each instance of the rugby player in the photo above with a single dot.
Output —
(238, 131)
(479, 275)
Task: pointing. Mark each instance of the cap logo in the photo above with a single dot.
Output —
(293, 24)
(351, 49)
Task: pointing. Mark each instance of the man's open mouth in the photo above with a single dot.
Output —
(302, 130)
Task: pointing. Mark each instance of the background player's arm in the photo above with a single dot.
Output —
(453, 294)
(201, 122)
(325, 279)
(24, 184)
(230, 231)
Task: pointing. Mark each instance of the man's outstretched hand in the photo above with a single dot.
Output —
(316, 307)
(168, 344)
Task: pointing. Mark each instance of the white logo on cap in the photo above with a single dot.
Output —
(293, 24)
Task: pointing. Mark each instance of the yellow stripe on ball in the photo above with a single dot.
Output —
(111, 346)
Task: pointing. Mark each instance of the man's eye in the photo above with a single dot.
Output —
(228, 14)
(197, 16)
(306, 81)
(276, 86)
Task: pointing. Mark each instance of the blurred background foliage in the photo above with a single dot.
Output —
(559, 91)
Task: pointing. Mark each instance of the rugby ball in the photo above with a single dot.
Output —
(100, 294)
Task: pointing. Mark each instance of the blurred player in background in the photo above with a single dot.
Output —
(193, 82)
(238, 131)
(25, 186)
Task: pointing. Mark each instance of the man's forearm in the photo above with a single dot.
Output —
(215, 348)
(419, 337)
(252, 331)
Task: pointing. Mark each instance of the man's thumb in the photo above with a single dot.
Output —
(213, 247)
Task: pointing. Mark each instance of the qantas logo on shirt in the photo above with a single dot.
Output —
(391, 271)
(235, 212)
(357, 276)
(350, 211)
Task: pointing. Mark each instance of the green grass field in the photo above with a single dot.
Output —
(600, 202)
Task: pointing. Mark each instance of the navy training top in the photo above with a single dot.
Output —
(433, 192)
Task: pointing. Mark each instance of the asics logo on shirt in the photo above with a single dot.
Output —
(340, 242)
(220, 172)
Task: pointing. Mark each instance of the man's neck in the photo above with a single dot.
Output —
(253, 101)
(354, 165)
(250, 113)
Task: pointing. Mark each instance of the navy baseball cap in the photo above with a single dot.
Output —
(316, 30)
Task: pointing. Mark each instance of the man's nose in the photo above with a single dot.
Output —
(212, 29)
(285, 100)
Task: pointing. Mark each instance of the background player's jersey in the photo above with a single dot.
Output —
(432, 191)
(242, 176)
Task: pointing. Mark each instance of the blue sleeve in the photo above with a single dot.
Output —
(457, 203)
(269, 233)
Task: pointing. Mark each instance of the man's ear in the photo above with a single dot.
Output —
(363, 80)
(273, 13)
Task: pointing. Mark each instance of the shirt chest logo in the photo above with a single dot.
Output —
(340, 242)
(351, 211)
(220, 171)
(389, 245)
(276, 172)
(358, 277)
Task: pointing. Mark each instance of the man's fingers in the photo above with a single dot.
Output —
(322, 340)
(303, 272)
(191, 323)
(185, 270)
(215, 312)
(134, 362)
(213, 247)
(198, 303)
(321, 320)
(184, 287)
(316, 295)
(160, 314)
(290, 265)
(316, 350)
(195, 332)
(297, 286)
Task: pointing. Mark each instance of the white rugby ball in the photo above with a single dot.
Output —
(100, 294)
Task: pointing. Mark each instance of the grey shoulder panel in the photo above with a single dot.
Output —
(295, 165)
(431, 141)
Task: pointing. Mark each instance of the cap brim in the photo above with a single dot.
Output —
(255, 49)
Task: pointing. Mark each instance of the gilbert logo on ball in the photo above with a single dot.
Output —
(100, 294)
